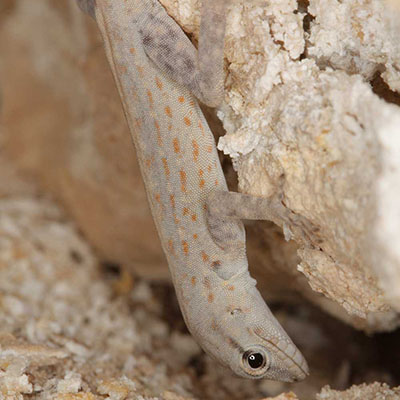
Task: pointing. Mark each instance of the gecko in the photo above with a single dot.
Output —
(160, 75)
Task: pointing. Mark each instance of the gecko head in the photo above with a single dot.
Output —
(275, 358)
(259, 347)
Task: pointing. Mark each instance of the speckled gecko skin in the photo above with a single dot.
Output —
(157, 71)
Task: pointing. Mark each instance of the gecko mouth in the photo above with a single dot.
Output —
(301, 370)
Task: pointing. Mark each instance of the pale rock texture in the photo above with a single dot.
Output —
(373, 391)
(366, 43)
(284, 396)
(304, 125)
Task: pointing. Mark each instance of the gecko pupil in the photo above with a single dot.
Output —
(255, 360)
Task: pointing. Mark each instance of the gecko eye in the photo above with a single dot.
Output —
(255, 361)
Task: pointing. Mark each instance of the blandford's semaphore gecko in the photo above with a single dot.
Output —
(159, 73)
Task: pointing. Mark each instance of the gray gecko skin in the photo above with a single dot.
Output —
(156, 69)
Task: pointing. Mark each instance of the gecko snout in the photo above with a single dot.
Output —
(285, 362)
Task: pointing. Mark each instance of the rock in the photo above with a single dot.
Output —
(283, 396)
(373, 391)
(304, 125)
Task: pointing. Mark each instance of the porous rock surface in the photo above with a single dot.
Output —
(305, 123)
(374, 391)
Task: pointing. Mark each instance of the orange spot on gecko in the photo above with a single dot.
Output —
(185, 247)
(195, 150)
(192, 103)
(204, 256)
(172, 200)
(176, 220)
(210, 298)
(157, 126)
(138, 123)
(168, 111)
(176, 145)
(140, 70)
(209, 149)
(148, 163)
(132, 50)
(159, 83)
(165, 164)
(216, 182)
(122, 69)
(185, 211)
(194, 217)
(233, 343)
(201, 173)
(193, 281)
(150, 96)
(181, 99)
(183, 180)
(202, 183)
(201, 128)
(209, 168)
(231, 288)
(187, 121)
(195, 236)
(214, 325)
(171, 246)
(216, 264)
(134, 93)
(158, 198)
(170, 127)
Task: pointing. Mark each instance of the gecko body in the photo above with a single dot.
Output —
(156, 71)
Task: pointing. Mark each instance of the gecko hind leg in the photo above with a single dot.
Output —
(170, 49)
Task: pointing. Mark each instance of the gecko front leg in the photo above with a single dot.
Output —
(226, 207)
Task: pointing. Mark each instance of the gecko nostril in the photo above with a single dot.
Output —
(236, 311)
